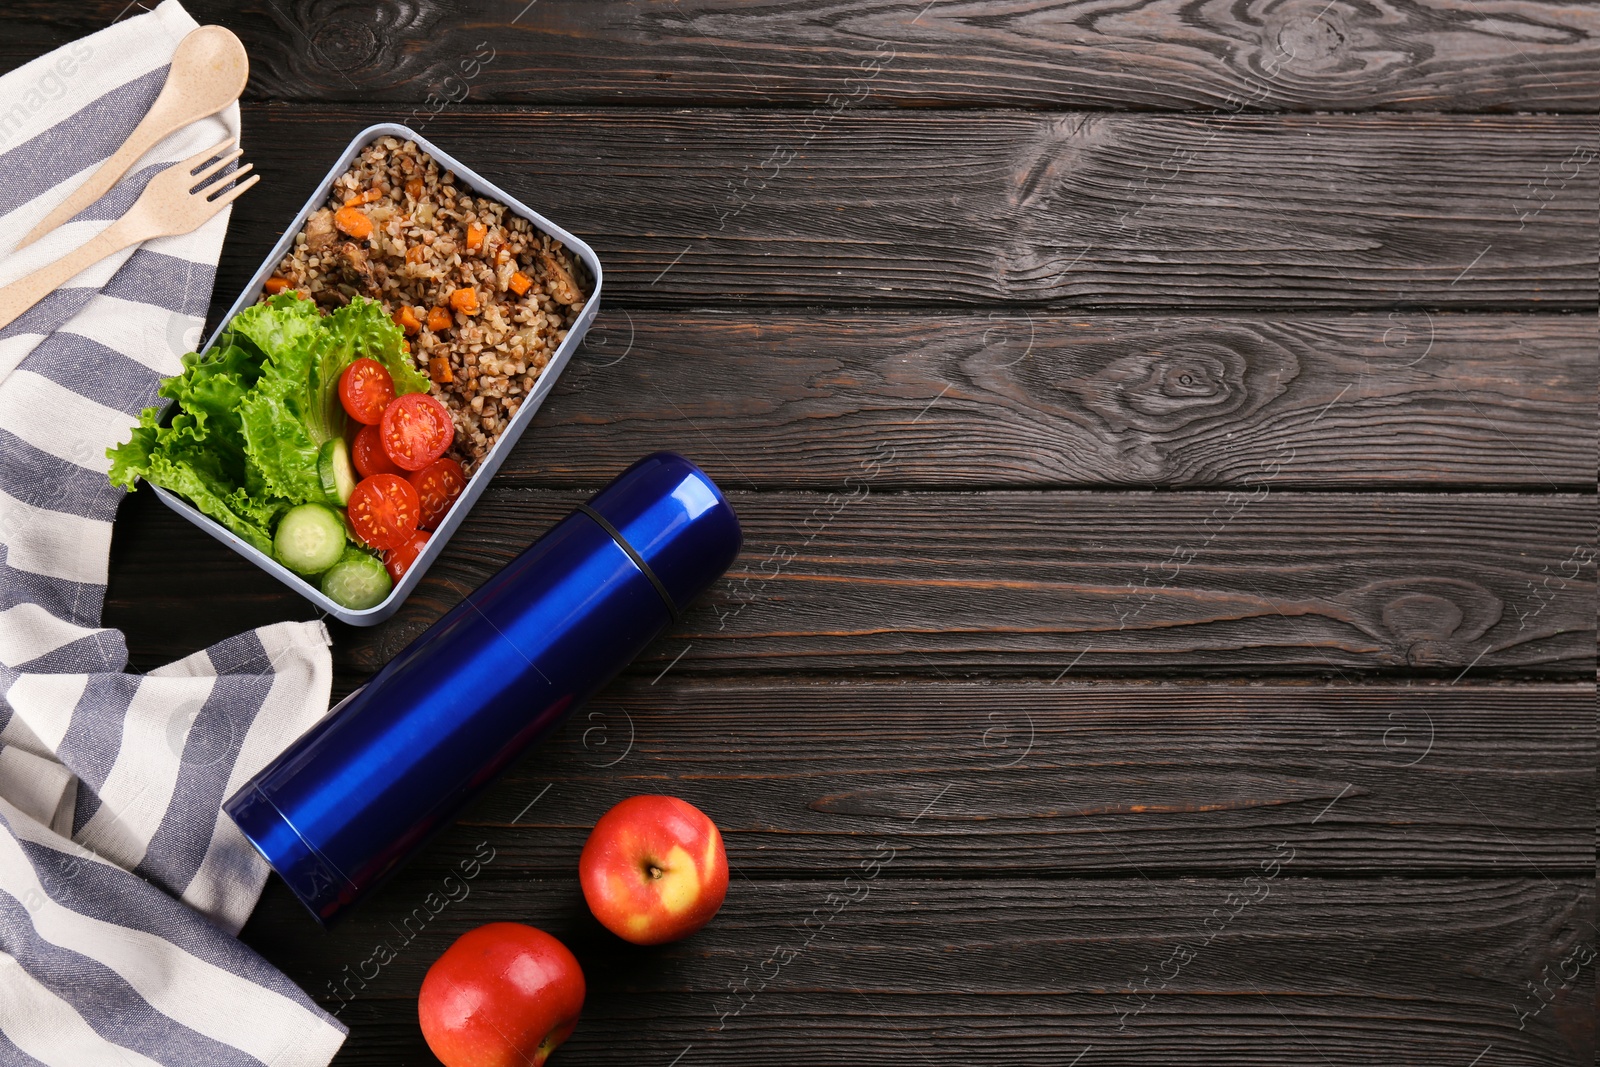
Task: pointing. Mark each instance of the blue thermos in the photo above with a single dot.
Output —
(350, 801)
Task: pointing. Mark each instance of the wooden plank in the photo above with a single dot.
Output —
(863, 1026)
(953, 208)
(1010, 582)
(1442, 55)
(1005, 971)
(1073, 778)
(1041, 400)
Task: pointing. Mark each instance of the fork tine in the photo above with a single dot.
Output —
(218, 181)
(222, 181)
(192, 164)
(210, 169)
(230, 195)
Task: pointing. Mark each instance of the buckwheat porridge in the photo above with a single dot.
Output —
(484, 297)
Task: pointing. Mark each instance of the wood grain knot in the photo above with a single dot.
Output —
(1313, 44)
(1310, 39)
(1426, 622)
(359, 38)
(346, 46)
(1186, 380)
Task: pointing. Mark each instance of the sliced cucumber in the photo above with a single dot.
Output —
(357, 581)
(310, 538)
(334, 469)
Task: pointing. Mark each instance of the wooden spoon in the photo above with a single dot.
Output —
(177, 200)
(208, 72)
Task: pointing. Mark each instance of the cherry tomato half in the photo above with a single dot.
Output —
(399, 560)
(416, 430)
(384, 510)
(438, 484)
(368, 455)
(365, 390)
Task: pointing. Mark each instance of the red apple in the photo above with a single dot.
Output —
(504, 995)
(653, 869)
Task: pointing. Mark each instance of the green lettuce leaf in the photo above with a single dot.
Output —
(282, 455)
(201, 465)
(187, 474)
(290, 333)
(251, 417)
(295, 406)
(284, 418)
(200, 454)
(362, 330)
(208, 395)
(279, 326)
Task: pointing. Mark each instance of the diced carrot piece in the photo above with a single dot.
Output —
(354, 222)
(439, 320)
(520, 283)
(465, 301)
(439, 370)
(414, 188)
(475, 236)
(407, 319)
(417, 254)
(276, 285)
(375, 193)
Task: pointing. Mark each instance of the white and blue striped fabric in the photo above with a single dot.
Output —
(121, 883)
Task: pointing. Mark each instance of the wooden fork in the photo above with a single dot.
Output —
(176, 201)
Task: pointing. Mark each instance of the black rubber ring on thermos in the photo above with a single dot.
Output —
(638, 560)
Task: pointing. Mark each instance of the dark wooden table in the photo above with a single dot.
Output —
(1165, 436)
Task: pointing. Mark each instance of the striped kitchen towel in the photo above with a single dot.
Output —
(121, 884)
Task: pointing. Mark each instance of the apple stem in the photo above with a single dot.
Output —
(655, 872)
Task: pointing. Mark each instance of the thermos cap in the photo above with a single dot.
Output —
(674, 521)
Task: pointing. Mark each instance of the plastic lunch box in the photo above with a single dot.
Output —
(508, 437)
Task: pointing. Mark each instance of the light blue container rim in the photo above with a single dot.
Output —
(502, 446)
